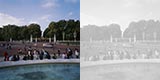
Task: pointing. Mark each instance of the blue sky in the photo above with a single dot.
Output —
(24, 12)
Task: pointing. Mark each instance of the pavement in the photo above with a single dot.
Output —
(102, 62)
(44, 61)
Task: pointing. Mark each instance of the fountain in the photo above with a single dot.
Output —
(41, 72)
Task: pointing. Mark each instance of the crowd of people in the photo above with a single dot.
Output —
(7, 46)
(125, 54)
(8, 57)
(35, 54)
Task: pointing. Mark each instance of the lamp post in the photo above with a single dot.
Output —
(31, 39)
(63, 33)
(155, 36)
(54, 38)
(10, 39)
(143, 36)
(111, 39)
(75, 35)
(134, 38)
(50, 40)
(36, 40)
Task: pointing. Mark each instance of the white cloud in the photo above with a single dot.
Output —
(30, 22)
(50, 4)
(87, 19)
(45, 18)
(6, 19)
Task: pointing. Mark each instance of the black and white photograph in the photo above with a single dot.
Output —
(120, 39)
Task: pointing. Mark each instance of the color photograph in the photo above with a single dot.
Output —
(39, 39)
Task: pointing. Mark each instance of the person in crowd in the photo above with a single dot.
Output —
(76, 53)
(41, 55)
(59, 52)
(121, 55)
(6, 56)
(156, 53)
(86, 58)
(19, 51)
(25, 49)
(1, 45)
(69, 53)
(149, 53)
(35, 54)
(15, 58)
(31, 57)
(48, 56)
(9, 46)
(105, 57)
(18, 58)
(30, 48)
(93, 58)
(64, 56)
(115, 55)
(54, 56)
(10, 58)
(25, 57)
(29, 54)
(109, 55)
(90, 58)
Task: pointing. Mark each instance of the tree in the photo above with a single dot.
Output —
(52, 29)
(77, 29)
(1, 37)
(143, 29)
(34, 30)
(20, 32)
(100, 32)
(24, 33)
(63, 26)
(10, 31)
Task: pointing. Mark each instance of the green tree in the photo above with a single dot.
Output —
(25, 33)
(34, 30)
(63, 26)
(51, 30)
(10, 31)
(1, 37)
